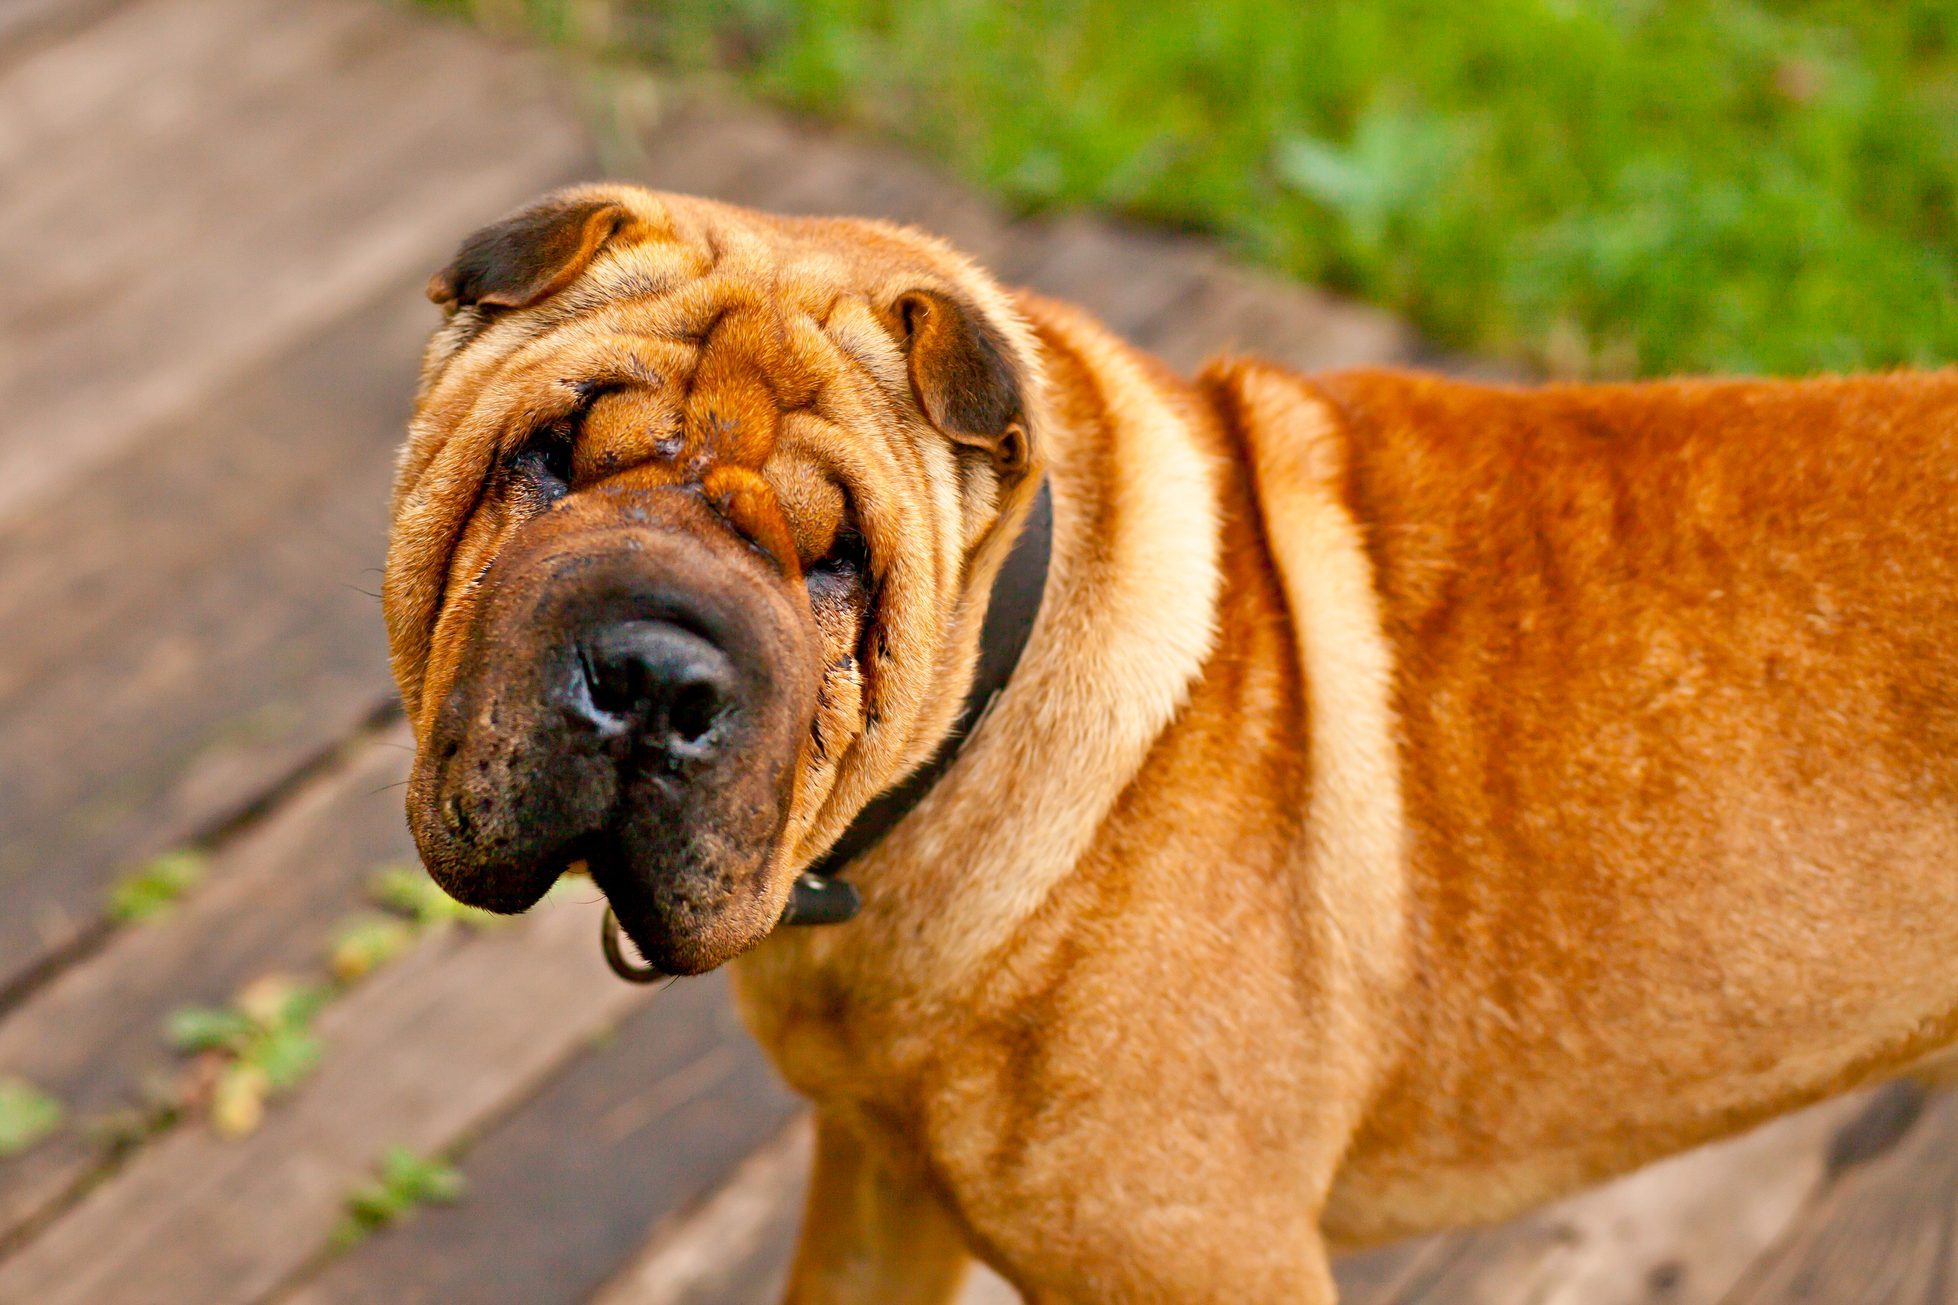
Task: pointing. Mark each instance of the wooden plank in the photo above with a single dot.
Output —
(736, 1247)
(1237, 311)
(1127, 277)
(1389, 1274)
(93, 1034)
(1681, 1232)
(357, 140)
(256, 462)
(131, 66)
(791, 167)
(29, 25)
(1882, 1234)
(984, 1287)
(638, 1131)
(423, 1054)
(201, 655)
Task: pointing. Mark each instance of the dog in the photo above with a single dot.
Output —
(1414, 799)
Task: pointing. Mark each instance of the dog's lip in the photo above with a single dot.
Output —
(606, 865)
(609, 869)
(670, 934)
(503, 895)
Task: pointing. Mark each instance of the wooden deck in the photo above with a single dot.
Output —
(217, 219)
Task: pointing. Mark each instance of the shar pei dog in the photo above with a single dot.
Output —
(1288, 811)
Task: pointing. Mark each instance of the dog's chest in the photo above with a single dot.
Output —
(835, 1032)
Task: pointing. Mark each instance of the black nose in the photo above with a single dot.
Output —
(659, 684)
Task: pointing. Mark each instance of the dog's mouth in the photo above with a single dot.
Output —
(682, 918)
(684, 910)
(687, 862)
(636, 704)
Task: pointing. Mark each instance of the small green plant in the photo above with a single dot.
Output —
(407, 1181)
(260, 1046)
(411, 905)
(155, 886)
(407, 890)
(364, 943)
(27, 1115)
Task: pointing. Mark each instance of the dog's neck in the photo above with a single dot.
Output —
(820, 896)
(1128, 621)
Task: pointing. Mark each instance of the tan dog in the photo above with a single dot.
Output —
(1416, 799)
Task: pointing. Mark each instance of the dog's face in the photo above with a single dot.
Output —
(693, 534)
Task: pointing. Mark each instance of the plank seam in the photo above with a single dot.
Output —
(457, 1149)
(211, 837)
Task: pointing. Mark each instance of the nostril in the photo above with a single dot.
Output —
(662, 684)
(695, 708)
(617, 680)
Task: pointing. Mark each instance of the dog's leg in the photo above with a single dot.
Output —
(871, 1235)
(1316, 1286)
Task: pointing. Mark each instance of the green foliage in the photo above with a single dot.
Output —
(363, 943)
(208, 1028)
(1597, 185)
(407, 890)
(263, 1045)
(155, 886)
(27, 1115)
(407, 1181)
(412, 904)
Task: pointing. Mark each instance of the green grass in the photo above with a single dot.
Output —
(407, 1182)
(1597, 186)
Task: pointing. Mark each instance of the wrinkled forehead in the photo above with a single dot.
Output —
(805, 263)
(790, 298)
(735, 317)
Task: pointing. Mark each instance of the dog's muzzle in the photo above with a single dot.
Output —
(633, 694)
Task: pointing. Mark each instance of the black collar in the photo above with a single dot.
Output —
(820, 896)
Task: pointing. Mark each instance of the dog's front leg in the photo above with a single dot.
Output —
(871, 1235)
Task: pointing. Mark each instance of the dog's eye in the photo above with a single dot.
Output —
(848, 557)
(848, 554)
(541, 465)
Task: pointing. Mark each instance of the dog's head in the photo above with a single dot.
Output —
(693, 535)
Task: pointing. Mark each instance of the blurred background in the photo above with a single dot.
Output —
(1594, 187)
(248, 1054)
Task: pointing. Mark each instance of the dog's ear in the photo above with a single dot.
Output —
(528, 256)
(963, 375)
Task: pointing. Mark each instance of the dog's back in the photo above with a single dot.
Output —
(1679, 725)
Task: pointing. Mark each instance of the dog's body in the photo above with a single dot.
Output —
(1415, 800)
(1572, 777)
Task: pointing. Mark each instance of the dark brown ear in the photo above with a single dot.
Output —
(529, 255)
(963, 375)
